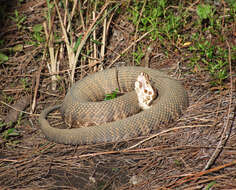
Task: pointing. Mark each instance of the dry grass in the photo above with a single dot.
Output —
(194, 152)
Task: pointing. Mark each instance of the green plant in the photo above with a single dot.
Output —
(210, 185)
(115, 169)
(3, 58)
(150, 20)
(206, 11)
(17, 48)
(8, 99)
(19, 118)
(12, 132)
(2, 125)
(212, 58)
(19, 20)
(78, 41)
(178, 163)
(21, 1)
(138, 55)
(112, 95)
(159, 19)
(38, 34)
(25, 82)
(232, 5)
(218, 66)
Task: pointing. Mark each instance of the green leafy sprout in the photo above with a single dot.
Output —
(12, 132)
(19, 20)
(112, 95)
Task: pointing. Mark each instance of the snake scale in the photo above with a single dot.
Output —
(83, 103)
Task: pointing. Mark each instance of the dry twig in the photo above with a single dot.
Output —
(192, 177)
(18, 107)
(125, 50)
(166, 131)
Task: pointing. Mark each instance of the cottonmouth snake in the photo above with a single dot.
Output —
(83, 102)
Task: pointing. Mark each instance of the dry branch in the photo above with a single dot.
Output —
(18, 107)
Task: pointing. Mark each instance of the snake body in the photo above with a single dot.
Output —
(83, 103)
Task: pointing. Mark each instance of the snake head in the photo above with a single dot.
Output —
(145, 91)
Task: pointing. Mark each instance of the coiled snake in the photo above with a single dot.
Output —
(83, 104)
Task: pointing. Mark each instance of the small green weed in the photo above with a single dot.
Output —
(178, 163)
(101, 185)
(25, 83)
(210, 185)
(232, 5)
(3, 58)
(138, 55)
(214, 60)
(21, 1)
(8, 133)
(115, 169)
(206, 12)
(19, 118)
(2, 125)
(77, 43)
(8, 99)
(38, 34)
(12, 132)
(19, 20)
(112, 95)
(17, 48)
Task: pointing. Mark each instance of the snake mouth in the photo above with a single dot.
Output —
(145, 90)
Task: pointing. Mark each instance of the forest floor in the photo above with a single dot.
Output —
(198, 151)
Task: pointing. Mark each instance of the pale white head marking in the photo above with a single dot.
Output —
(144, 90)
